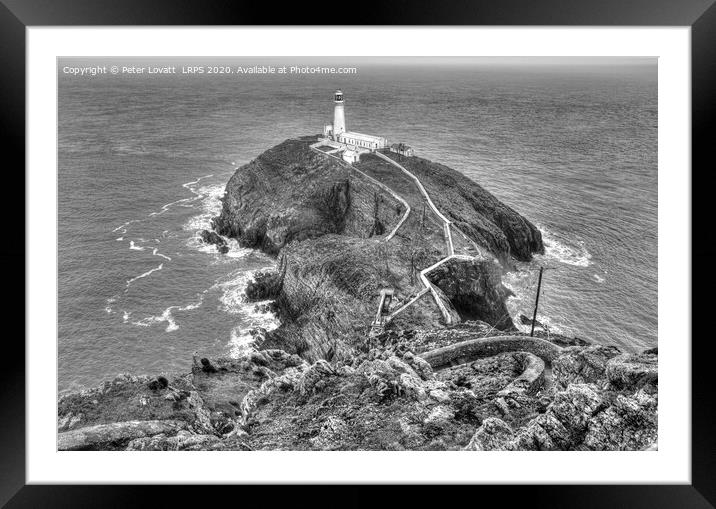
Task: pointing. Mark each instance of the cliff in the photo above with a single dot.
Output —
(329, 226)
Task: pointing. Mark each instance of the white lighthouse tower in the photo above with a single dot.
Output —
(349, 144)
(339, 116)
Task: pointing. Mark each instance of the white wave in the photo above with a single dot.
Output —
(240, 342)
(210, 207)
(188, 184)
(233, 297)
(123, 226)
(241, 337)
(119, 239)
(598, 278)
(130, 281)
(167, 316)
(156, 252)
(564, 250)
(236, 251)
(233, 301)
(169, 205)
(135, 247)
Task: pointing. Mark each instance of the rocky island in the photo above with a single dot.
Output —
(394, 331)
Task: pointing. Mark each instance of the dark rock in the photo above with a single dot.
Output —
(264, 286)
(528, 321)
(210, 237)
(475, 290)
(207, 366)
(158, 384)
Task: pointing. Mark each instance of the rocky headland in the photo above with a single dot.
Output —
(444, 368)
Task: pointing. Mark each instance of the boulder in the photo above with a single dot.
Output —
(582, 365)
(210, 237)
(563, 425)
(439, 417)
(114, 435)
(182, 441)
(633, 371)
(158, 383)
(492, 435)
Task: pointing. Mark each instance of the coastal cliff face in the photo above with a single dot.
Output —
(480, 215)
(327, 224)
(290, 193)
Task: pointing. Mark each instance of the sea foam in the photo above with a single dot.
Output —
(167, 315)
(155, 269)
(567, 251)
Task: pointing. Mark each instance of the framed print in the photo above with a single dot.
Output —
(456, 251)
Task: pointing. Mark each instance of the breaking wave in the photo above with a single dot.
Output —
(210, 207)
(253, 314)
(565, 250)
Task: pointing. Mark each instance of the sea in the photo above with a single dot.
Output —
(143, 160)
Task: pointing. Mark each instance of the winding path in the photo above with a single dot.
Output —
(444, 307)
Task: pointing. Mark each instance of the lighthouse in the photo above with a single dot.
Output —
(339, 115)
(349, 144)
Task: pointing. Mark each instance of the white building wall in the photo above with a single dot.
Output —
(339, 119)
(363, 140)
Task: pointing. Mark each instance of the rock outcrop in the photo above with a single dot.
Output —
(210, 237)
(475, 290)
(386, 398)
(326, 224)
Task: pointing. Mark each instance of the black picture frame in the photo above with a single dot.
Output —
(700, 15)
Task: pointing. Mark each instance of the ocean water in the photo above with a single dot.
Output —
(143, 161)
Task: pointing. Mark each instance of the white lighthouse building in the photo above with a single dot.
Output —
(353, 143)
(339, 114)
